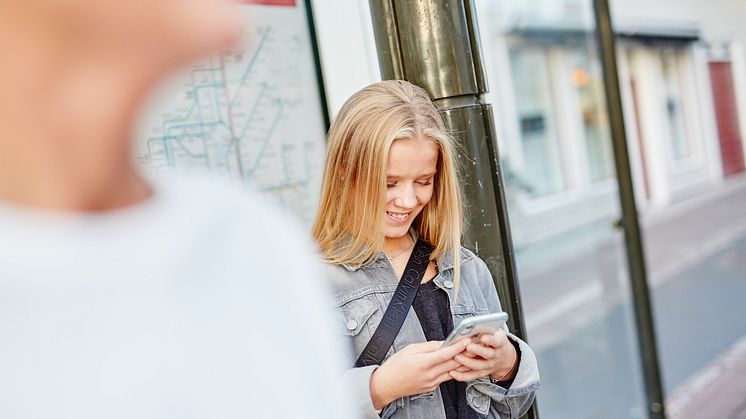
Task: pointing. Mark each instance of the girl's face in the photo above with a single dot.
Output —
(410, 178)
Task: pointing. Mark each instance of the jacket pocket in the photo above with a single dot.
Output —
(463, 311)
(356, 314)
(423, 396)
(359, 321)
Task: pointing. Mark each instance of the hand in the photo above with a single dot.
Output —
(491, 355)
(416, 369)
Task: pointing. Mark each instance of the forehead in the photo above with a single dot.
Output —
(412, 157)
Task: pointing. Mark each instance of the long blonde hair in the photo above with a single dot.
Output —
(349, 222)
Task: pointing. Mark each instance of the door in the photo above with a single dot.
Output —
(726, 115)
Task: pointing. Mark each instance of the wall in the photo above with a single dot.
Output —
(348, 52)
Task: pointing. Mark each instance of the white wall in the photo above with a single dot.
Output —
(718, 19)
(347, 47)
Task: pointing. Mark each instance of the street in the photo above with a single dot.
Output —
(580, 320)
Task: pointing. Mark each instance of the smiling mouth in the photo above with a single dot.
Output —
(398, 217)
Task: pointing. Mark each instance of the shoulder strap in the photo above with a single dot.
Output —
(398, 308)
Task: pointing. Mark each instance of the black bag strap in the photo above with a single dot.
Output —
(396, 312)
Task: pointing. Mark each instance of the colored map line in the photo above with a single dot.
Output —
(265, 142)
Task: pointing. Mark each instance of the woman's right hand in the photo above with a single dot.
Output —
(418, 368)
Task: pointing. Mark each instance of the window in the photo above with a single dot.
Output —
(674, 104)
(587, 78)
(542, 170)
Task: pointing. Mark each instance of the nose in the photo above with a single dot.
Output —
(406, 198)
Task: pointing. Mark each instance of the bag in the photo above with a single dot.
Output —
(396, 312)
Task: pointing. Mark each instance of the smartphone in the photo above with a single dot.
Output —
(477, 325)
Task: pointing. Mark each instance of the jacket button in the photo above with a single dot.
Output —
(448, 284)
(352, 325)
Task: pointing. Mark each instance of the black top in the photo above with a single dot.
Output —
(433, 309)
(434, 312)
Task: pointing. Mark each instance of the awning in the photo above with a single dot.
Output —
(648, 30)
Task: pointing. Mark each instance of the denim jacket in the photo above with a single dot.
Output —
(361, 295)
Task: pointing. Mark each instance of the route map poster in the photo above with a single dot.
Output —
(253, 114)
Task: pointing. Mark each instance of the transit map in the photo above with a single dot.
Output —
(253, 114)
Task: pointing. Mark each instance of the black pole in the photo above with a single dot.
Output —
(630, 222)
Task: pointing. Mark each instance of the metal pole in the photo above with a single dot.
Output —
(630, 223)
(435, 45)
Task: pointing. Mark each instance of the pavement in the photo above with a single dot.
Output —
(581, 323)
(717, 391)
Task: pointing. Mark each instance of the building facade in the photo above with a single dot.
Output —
(683, 80)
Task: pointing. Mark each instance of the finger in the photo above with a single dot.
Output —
(467, 353)
(488, 340)
(461, 339)
(463, 369)
(445, 367)
(476, 349)
(495, 340)
(473, 363)
(447, 353)
(423, 347)
(467, 376)
(446, 376)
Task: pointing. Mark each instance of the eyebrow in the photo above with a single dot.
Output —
(429, 174)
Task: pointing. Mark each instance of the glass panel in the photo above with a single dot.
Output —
(674, 103)
(252, 114)
(547, 92)
(541, 169)
(696, 246)
(587, 77)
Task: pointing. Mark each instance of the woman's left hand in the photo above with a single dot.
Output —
(490, 355)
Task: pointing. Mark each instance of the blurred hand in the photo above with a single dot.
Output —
(416, 369)
(490, 354)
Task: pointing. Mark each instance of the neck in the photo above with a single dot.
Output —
(64, 124)
(396, 244)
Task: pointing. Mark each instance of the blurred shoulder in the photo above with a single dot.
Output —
(222, 200)
(226, 220)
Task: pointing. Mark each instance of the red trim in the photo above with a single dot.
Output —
(726, 114)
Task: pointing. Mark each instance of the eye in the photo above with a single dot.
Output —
(390, 184)
(425, 182)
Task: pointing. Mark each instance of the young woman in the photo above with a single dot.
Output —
(390, 180)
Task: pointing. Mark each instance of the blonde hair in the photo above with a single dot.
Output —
(349, 221)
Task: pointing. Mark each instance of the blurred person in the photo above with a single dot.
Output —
(391, 183)
(125, 297)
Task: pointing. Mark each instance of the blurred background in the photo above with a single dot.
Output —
(681, 75)
(259, 115)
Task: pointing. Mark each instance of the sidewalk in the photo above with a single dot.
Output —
(718, 391)
(679, 236)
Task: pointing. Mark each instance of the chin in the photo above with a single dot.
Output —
(395, 232)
